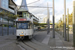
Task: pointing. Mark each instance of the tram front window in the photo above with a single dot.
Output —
(23, 26)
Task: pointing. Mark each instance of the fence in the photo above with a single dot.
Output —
(7, 31)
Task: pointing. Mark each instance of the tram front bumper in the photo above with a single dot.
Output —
(21, 35)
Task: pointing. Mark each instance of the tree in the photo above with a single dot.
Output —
(70, 18)
(9, 15)
(60, 23)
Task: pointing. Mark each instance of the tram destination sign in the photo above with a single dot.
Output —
(22, 19)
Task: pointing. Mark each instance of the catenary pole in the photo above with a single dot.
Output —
(63, 25)
(53, 21)
(74, 23)
(68, 24)
(65, 37)
(48, 20)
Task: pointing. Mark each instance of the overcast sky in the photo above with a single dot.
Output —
(42, 12)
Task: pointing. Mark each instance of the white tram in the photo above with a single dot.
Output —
(24, 28)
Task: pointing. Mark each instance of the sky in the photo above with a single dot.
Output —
(42, 12)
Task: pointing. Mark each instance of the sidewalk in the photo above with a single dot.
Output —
(8, 43)
(58, 42)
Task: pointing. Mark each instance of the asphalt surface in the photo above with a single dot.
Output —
(40, 41)
(10, 42)
(40, 35)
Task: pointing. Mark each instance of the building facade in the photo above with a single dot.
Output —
(4, 6)
(6, 23)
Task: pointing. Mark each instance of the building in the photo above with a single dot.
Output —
(7, 6)
(6, 23)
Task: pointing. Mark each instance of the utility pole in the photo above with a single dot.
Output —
(53, 22)
(48, 22)
(65, 38)
(74, 23)
(68, 24)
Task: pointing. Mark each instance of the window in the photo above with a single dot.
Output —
(20, 14)
(24, 15)
(4, 3)
(25, 25)
(10, 21)
(5, 20)
(27, 15)
(0, 19)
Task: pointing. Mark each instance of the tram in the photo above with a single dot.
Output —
(24, 28)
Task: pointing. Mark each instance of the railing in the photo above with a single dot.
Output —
(5, 31)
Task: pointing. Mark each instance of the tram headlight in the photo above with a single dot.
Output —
(22, 32)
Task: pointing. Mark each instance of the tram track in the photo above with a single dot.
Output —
(36, 45)
(29, 45)
(23, 44)
(32, 45)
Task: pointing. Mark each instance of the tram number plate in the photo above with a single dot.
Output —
(21, 35)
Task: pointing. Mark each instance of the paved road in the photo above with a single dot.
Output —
(10, 42)
(41, 41)
(40, 35)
